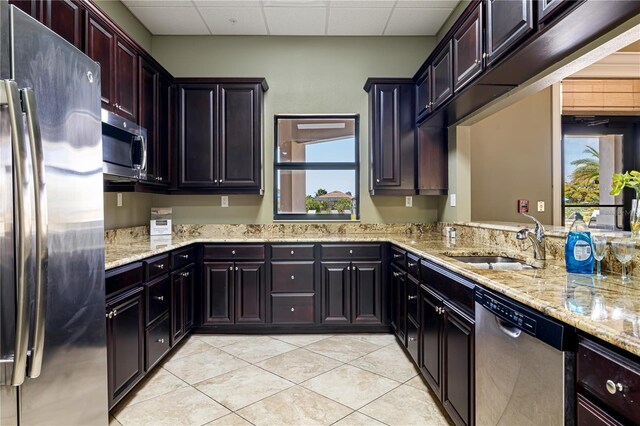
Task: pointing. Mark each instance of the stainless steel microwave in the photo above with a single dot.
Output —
(124, 149)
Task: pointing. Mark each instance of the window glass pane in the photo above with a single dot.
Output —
(325, 140)
(315, 191)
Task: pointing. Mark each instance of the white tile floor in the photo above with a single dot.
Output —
(355, 379)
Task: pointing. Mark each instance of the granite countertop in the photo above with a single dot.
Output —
(569, 298)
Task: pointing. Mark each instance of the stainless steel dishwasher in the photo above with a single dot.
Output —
(524, 364)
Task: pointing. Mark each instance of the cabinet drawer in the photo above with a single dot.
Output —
(597, 366)
(156, 266)
(413, 265)
(157, 298)
(412, 339)
(399, 257)
(180, 258)
(121, 278)
(158, 343)
(350, 251)
(412, 297)
(588, 413)
(293, 308)
(292, 276)
(293, 252)
(234, 251)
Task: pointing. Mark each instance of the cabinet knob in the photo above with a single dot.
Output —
(233, 252)
(484, 55)
(160, 340)
(613, 387)
(293, 309)
(184, 256)
(293, 277)
(185, 274)
(350, 251)
(413, 297)
(231, 268)
(159, 178)
(412, 339)
(160, 266)
(348, 268)
(411, 265)
(236, 268)
(396, 255)
(396, 274)
(292, 251)
(110, 314)
(378, 180)
(160, 298)
(115, 312)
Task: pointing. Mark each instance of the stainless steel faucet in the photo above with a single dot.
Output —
(537, 239)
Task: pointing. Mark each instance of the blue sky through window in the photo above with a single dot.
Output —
(574, 148)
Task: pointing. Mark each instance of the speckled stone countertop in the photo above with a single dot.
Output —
(608, 309)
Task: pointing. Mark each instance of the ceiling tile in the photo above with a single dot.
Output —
(296, 20)
(227, 3)
(171, 20)
(296, 3)
(416, 21)
(234, 20)
(357, 21)
(438, 4)
(362, 3)
(157, 3)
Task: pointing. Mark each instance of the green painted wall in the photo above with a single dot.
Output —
(127, 21)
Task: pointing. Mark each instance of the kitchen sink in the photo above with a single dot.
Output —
(493, 262)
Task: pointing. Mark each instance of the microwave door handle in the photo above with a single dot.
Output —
(143, 141)
(42, 253)
(10, 96)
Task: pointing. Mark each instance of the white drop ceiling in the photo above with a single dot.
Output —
(293, 17)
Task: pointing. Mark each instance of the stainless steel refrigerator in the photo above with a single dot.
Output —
(53, 357)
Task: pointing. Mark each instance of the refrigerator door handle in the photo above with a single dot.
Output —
(42, 253)
(10, 96)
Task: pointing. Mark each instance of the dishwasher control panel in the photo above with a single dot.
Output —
(514, 316)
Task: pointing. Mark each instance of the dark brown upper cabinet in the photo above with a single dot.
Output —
(65, 17)
(126, 80)
(164, 126)
(547, 9)
(100, 46)
(220, 144)
(468, 50)
(442, 70)
(32, 7)
(424, 103)
(391, 137)
(508, 22)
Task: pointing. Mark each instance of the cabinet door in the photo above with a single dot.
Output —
(147, 112)
(423, 94)
(177, 306)
(468, 50)
(458, 373)
(32, 7)
(547, 9)
(64, 17)
(336, 296)
(100, 46)
(164, 126)
(442, 69)
(125, 344)
(398, 302)
(126, 80)
(188, 296)
(430, 338)
(433, 164)
(198, 123)
(240, 136)
(249, 295)
(589, 414)
(218, 297)
(508, 21)
(366, 292)
(385, 149)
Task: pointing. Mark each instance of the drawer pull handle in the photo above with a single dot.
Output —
(613, 387)
(396, 274)
(413, 297)
(293, 277)
(185, 274)
(350, 251)
(293, 309)
(233, 252)
(160, 266)
(292, 251)
(396, 256)
(184, 256)
(411, 265)
(160, 340)
(160, 298)
(412, 339)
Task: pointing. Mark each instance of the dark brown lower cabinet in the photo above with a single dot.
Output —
(158, 341)
(234, 293)
(589, 414)
(352, 292)
(182, 300)
(431, 338)
(125, 342)
(398, 302)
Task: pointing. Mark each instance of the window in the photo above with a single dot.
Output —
(316, 167)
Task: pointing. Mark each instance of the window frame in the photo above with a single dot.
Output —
(355, 166)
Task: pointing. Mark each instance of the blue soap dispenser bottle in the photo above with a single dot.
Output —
(577, 249)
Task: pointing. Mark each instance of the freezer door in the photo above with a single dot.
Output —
(72, 386)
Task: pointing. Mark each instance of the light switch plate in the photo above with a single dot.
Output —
(452, 200)
(224, 201)
(408, 201)
(119, 199)
(540, 206)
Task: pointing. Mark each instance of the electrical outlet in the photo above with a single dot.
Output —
(452, 200)
(119, 199)
(540, 206)
(408, 201)
(224, 201)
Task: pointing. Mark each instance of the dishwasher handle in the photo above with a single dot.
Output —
(506, 328)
